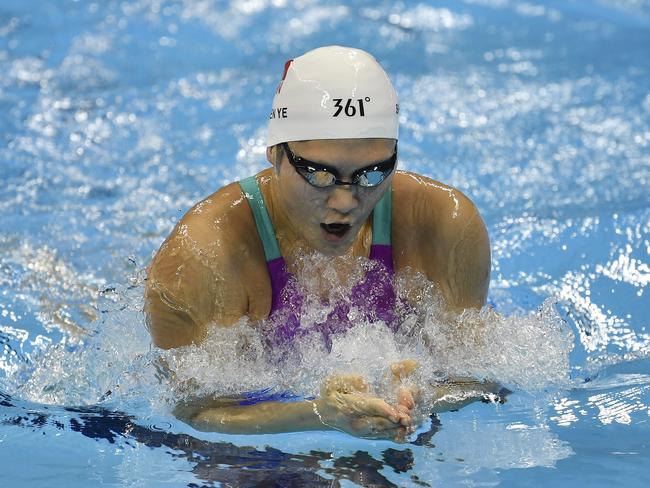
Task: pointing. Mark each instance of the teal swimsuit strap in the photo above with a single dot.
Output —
(381, 219)
(263, 222)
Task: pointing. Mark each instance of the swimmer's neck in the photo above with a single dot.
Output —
(292, 244)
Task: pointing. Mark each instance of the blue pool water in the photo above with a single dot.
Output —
(117, 116)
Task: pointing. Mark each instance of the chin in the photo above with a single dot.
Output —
(331, 248)
(334, 251)
(318, 241)
(337, 248)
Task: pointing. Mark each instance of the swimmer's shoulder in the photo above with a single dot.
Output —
(217, 240)
(431, 209)
(222, 226)
(438, 230)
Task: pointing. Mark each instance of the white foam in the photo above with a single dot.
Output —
(115, 363)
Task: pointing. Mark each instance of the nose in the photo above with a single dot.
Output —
(343, 199)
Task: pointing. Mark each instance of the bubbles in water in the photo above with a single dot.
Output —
(114, 363)
(528, 352)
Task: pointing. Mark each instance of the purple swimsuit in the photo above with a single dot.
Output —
(373, 298)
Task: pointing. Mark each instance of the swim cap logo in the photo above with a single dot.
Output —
(284, 74)
(350, 108)
(279, 113)
(332, 92)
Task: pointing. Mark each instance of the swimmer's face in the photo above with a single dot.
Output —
(330, 218)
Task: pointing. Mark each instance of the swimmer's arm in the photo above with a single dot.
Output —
(454, 393)
(439, 232)
(468, 262)
(186, 293)
(176, 323)
(262, 418)
(344, 404)
(278, 417)
(457, 393)
(453, 250)
(168, 324)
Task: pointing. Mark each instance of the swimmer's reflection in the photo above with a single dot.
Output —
(224, 462)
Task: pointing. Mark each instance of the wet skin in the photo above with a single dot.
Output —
(304, 210)
(211, 270)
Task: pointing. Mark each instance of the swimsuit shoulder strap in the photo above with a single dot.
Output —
(381, 219)
(381, 222)
(265, 229)
(274, 261)
(381, 249)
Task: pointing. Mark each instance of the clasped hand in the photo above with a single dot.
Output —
(346, 404)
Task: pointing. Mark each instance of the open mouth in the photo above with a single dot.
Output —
(338, 230)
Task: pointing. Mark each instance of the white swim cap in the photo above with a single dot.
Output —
(333, 92)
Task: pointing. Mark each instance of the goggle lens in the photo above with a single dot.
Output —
(322, 178)
(371, 178)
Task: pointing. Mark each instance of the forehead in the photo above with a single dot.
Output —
(345, 153)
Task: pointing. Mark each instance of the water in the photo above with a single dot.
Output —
(116, 117)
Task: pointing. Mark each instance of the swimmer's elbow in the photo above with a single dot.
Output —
(468, 272)
(169, 328)
(171, 336)
(458, 304)
(470, 291)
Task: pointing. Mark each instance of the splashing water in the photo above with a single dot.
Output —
(112, 363)
(119, 115)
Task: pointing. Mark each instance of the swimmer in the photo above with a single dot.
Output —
(332, 189)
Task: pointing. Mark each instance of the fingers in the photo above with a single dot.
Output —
(406, 395)
(398, 414)
(367, 406)
(345, 383)
(406, 416)
(348, 398)
(403, 368)
(405, 398)
(379, 428)
(357, 382)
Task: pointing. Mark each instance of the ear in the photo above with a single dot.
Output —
(273, 157)
(270, 155)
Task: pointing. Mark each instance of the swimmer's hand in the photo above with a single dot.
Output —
(346, 404)
(407, 393)
(453, 394)
(457, 392)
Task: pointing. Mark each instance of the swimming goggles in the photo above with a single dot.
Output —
(322, 176)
